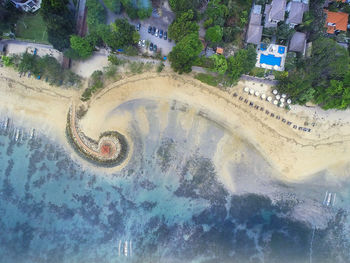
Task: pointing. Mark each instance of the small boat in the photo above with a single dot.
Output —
(119, 245)
(130, 248)
(126, 248)
(325, 198)
(335, 194)
(6, 123)
(17, 135)
(329, 199)
(32, 134)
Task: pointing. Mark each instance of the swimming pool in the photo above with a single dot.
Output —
(281, 50)
(270, 60)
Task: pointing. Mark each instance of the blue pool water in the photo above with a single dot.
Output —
(281, 50)
(262, 47)
(270, 60)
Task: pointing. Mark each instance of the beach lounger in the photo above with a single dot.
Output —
(294, 126)
(256, 107)
(305, 129)
(240, 98)
(245, 101)
(272, 115)
(289, 123)
(235, 94)
(284, 120)
(261, 108)
(267, 112)
(300, 128)
(309, 130)
(251, 104)
(278, 117)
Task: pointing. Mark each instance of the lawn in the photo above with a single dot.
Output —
(32, 27)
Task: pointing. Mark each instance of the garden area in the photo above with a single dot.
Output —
(32, 27)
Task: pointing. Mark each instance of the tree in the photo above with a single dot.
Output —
(60, 22)
(96, 14)
(185, 52)
(183, 25)
(113, 5)
(242, 62)
(81, 46)
(216, 13)
(220, 63)
(179, 6)
(214, 34)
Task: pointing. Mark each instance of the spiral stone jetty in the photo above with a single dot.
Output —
(110, 150)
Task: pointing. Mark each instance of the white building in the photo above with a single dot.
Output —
(27, 5)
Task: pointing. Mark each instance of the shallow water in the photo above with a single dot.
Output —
(169, 202)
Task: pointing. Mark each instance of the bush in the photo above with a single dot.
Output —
(160, 67)
(8, 61)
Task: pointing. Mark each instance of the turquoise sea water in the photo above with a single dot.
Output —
(171, 206)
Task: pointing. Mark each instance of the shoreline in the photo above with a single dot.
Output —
(295, 154)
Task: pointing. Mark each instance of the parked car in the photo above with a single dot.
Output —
(161, 33)
(157, 31)
(155, 48)
(138, 26)
(151, 47)
(143, 43)
(149, 29)
(153, 30)
(165, 35)
(140, 43)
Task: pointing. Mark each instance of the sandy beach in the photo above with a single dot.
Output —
(296, 155)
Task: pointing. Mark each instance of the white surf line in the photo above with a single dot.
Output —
(325, 198)
(335, 194)
(312, 240)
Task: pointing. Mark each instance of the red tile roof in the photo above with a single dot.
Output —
(336, 21)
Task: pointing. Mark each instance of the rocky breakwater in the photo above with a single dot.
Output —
(110, 150)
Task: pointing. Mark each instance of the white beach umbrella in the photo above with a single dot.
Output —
(289, 101)
(275, 102)
(269, 99)
(278, 97)
(282, 105)
(257, 93)
(275, 91)
(284, 95)
(282, 100)
(251, 91)
(275, 67)
(263, 96)
(246, 89)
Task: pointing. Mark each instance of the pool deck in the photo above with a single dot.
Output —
(271, 49)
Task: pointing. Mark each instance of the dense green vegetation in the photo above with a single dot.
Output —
(8, 17)
(59, 21)
(183, 25)
(185, 53)
(231, 16)
(241, 63)
(135, 9)
(46, 67)
(323, 78)
(118, 35)
(96, 14)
